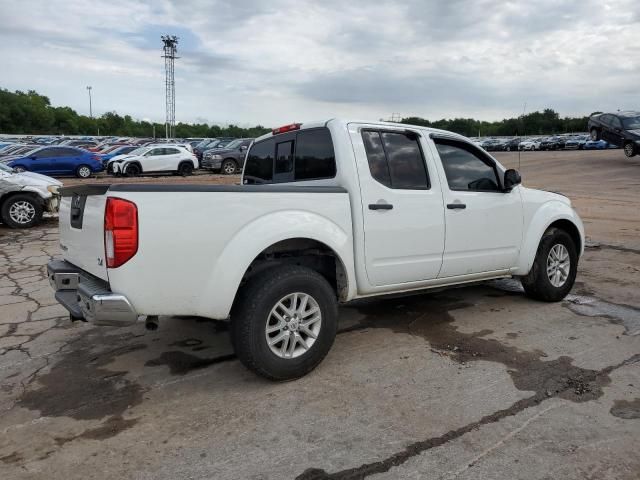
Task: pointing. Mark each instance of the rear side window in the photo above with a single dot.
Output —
(395, 159)
(315, 158)
(303, 155)
(171, 151)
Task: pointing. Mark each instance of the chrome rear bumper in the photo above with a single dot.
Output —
(88, 298)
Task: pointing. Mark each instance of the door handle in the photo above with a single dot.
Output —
(456, 206)
(380, 206)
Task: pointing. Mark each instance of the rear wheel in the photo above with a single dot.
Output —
(554, 269)
(185, 168)
(19, 169)
(284, 322)
(83, 171)
(22, 211)
(629, 149)
(229, 167)
(595, 134)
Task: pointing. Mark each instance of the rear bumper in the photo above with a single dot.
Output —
(88, 298)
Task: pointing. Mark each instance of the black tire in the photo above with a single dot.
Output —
(34, 205)
(229, 167)
(629, 149)
(185, 169)
(83, 171)
(19, 168)
(132, 170)
(595, 134)
(251, 312)
(536, 283)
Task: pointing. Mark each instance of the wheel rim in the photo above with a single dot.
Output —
(594, 135)
(19, 169)
(132, 170)
(558, 265)
(293, 325)
(22, 212)
(84, 171)
(628, 149)
(229, 168)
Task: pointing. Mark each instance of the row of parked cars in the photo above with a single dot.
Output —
(606, 130)
(86, 157)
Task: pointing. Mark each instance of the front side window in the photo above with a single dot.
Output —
(465, 168)
(395, 159)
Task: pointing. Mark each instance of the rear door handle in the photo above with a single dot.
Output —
(456, 206)
(380, 206)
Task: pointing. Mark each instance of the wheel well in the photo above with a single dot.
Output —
(571, 229)
(307, 253)
(136, 163)
(185, 162)
(8, 195)
(232, 159)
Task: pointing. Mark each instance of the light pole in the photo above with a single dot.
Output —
(90, 108)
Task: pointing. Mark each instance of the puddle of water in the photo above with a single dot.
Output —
(589, 306)
(629, 410)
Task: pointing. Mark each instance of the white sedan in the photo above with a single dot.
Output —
(154, 159)
(533, 144)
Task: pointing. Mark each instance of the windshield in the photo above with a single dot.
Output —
(138, 151)
(233, 144)
(632, 123)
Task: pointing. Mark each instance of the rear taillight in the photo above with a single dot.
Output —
(286, 128)
(120, 231)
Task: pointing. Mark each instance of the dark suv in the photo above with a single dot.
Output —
(621, 129)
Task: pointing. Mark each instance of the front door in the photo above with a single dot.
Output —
(483, 222)
(402, 211)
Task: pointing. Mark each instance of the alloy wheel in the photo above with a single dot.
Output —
(293, 325)
(22, 212)
(558, 265)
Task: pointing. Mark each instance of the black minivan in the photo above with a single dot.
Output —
(621, 129)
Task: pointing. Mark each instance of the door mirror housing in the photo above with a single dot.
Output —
(511, 179)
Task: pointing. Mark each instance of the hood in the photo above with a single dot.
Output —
(121, 157)
(31, 179)
(541, 196)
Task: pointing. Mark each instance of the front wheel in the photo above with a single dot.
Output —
(22, 211)
(229, 167)
(132, 170)
(554, 269)
(629, 150)
(284, 322)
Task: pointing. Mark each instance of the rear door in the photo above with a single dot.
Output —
(402, 209)
(483, 223)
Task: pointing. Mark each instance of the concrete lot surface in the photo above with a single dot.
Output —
(473, 383)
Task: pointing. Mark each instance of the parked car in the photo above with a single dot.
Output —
(57, 160)
(118, 150)
(576, 143)
(549, 143)
(25, 196)
(228, 160)
(621, 129)
(511, 145)
(492, 145)
(596, 145)
(531, 144)
(170, 159)
(341, 216)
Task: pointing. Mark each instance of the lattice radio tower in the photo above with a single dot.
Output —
(170, 49)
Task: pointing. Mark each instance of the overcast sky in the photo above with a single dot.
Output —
(278, 61)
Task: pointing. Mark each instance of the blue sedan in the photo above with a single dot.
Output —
(59, 161)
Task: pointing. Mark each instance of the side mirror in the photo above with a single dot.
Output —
(243, 147)
(511, 179)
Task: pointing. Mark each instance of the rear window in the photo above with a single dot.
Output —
(294, 157)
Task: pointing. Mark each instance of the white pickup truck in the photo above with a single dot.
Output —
(327, 212)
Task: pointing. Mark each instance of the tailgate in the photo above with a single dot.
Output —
(81, 223)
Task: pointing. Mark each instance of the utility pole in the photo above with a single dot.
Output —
(170, 49)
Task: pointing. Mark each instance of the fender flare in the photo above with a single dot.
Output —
(231, 265)
(548, 213)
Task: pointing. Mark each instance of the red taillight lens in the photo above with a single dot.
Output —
(286, 128)
(120, 231)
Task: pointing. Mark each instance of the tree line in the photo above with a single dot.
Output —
(32, 113)
(547, 122)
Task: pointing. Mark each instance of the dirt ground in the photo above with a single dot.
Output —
(472, 383)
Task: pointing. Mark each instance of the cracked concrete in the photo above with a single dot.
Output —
(476, 382)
